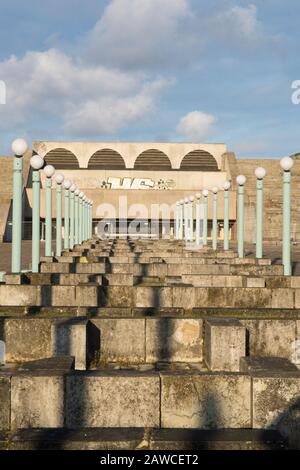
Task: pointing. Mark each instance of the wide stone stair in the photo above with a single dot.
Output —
(150, 344)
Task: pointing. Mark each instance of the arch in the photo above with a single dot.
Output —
(62, 158)
(106, 159)
(199, 160)
(152, 159)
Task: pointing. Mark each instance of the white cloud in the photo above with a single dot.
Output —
(87, 99)
(195, 125)
(139, 33)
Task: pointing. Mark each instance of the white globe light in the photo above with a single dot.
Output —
(59, 178)
(205, 192)
(191, 198)
(73, 188)
(186, 200)
(49, 171)
(19, 147)
(241, 180)
(67, 184)
(286, 163)
(260, 173)
(198, 195)
(77, 192)
(36, 162)
(226, 185)
(81, 194)
(215, 189)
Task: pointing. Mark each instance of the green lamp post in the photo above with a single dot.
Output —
(91, 219)
(260, 173)
(59, 178)
(19, 148)
(215, 190)
(226, 187)
(81, 194)
(72, 216)
(241, 180)
(49, 172)
(36, 163)
(286, 164)
(186, 219)
(205, 196)
(76, 194)
(198, 215)
(67, 186)
(191, 218)
(177, 208)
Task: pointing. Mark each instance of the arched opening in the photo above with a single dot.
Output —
(106, 159)
(62, 158)
(199, 160)
(153, 160)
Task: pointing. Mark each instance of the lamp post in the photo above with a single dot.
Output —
(181, 209)
(241, 180)
(215, 190)
(260, 173)
(176, 220)
(72, 216)
(36, 163)
(226, 187)
(76, 194)
(49, 171)
(205, 196)
(91, 220)
(186, 219)
(286, 164)
(84, 199)
(19, 148)
(191, 217)
(67, 186)
(198, 206)
(81, 194)
(59, 178)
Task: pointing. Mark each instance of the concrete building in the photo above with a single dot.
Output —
(144, 180)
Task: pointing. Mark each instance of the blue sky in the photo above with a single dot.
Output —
(156, 70)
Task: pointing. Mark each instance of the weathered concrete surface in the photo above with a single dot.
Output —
(274, 397)
(27, 339)
(15, 295)
(121, 340)
(113, 400)
(5, 402)
(225, 344)
(173, 340)
(205, 401)
(271, 337)
(69, 338)
(37, 400)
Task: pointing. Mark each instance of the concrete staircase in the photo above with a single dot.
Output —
(150, 344)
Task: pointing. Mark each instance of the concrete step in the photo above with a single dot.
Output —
(142, 439)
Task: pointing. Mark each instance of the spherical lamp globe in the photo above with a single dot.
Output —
(49, 171)
(241, 180)
(59, 178)
(36, 162)
(286, 163)
(19, 147)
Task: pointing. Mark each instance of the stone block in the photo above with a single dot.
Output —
(152, 297)
(253, 365)
(27, 339)
(69, 338)
(271, 337)
(55, 268)
(5, 403)
(116, 296)
(173, 340)
(282, 298)
(91, 268)
(37, 400)
(86, 295)
(224, 344)
(255, 282)
(184, 297)
(122, 340)
(20, 296)
(119, 279)
(295, 282)
(63, 296)
(116, 399)
(274, 397)
(205, 401)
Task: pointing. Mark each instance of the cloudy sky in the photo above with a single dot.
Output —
(155, 70)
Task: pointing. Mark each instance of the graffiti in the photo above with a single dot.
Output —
(137, 183)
